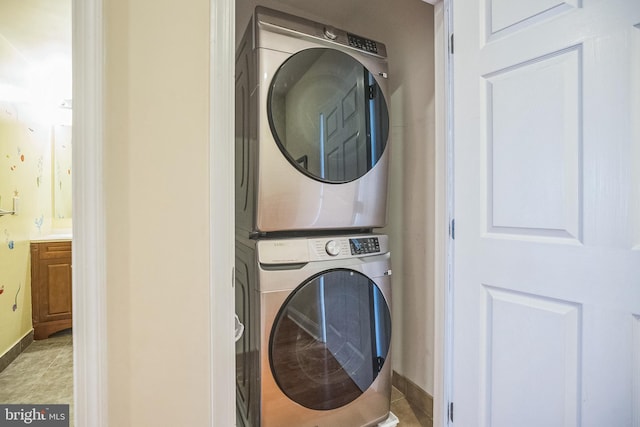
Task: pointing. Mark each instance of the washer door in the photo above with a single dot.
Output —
(330, 339)
(328, 115)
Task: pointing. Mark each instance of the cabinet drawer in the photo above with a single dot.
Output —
(49, 250)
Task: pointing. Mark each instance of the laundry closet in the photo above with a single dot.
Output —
(405, 29)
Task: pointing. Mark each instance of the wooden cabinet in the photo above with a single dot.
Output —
(50, 287)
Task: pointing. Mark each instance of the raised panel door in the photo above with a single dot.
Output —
(546, 281)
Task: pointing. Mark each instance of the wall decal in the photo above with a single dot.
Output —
(38, 222)
(15, 303)
(10, 242)
(40, 168)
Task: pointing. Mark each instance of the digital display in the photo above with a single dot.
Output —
(365, 245)
(362, 43)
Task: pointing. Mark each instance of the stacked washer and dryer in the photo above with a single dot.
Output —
(313, 285)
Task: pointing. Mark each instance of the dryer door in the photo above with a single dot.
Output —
(330, 339)
(328, 115)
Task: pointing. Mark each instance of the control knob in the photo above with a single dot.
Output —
(332, 247)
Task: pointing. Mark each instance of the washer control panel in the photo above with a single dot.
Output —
(364, 245)
(339, 247)
(302, 250)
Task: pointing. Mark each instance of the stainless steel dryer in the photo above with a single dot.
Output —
(312, 127)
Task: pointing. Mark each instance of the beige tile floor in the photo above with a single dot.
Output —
(408, 415)
(43, 373)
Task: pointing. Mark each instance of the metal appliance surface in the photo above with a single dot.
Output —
(312, 127)
(247, 352)
(324, 331)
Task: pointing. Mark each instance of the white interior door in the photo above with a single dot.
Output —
(546, 323)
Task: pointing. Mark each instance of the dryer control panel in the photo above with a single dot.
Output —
(362, 43)
(269, 20)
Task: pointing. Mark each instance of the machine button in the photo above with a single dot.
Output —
(330, 33)
(332, 247)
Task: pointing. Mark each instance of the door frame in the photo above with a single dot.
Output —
(89, 243)
(89, 255)
(443, 295)
(222, 212)
(222, 221)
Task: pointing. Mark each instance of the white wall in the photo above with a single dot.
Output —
(412, 186)
(406, 27)
(157, 212)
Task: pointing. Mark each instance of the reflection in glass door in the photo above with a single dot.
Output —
(328, 115)
(330, 339)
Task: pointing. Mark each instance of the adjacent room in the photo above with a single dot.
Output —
(36, 355)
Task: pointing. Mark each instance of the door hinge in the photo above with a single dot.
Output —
(452, 229)
(450, 411)
(451, 43)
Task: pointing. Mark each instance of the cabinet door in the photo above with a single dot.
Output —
(56, 289)
(51, 285)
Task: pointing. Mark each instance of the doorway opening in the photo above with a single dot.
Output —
(36, 196)
(414, 196)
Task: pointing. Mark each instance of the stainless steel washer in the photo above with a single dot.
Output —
(323, 335)
(312, 127)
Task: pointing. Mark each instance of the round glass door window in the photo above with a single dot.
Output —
(330, 339)
(328, 115)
